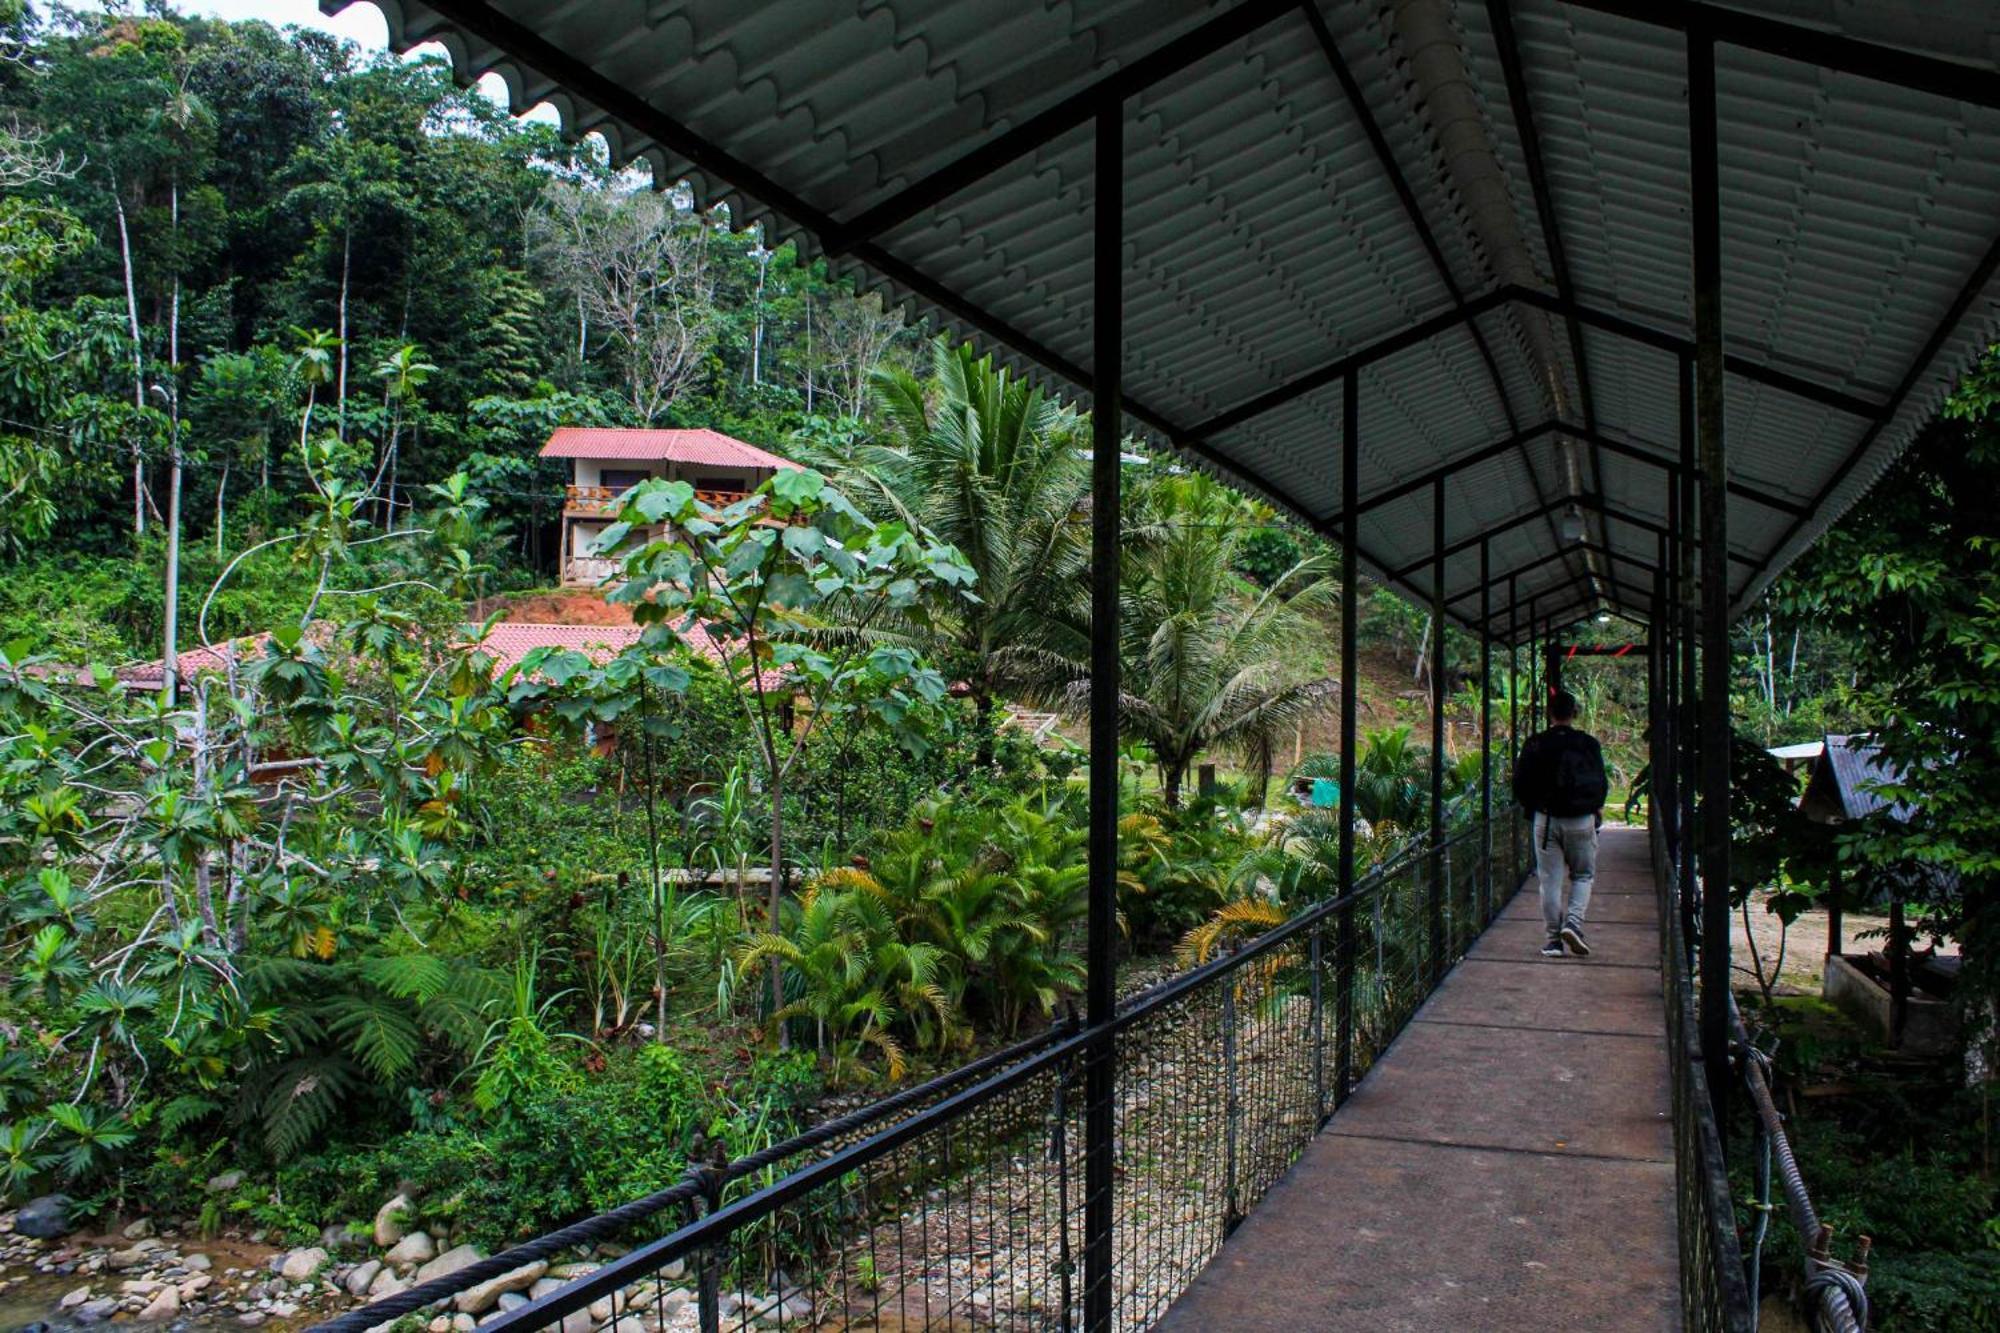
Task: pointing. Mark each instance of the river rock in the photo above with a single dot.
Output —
(138, 1230)
(46, 1218)
(133, 1258)
(415, 1248)
(479, 1299)
(390, 1220)
(199, 1263)
(164, 1306)
(302, 1264)
(76, 1298)
(97, 1311)
(463, 1256)
(386, 1284)
(194, 1286)
(358, 1280)
(225, 1182)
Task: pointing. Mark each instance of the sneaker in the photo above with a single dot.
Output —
(1553, 949)
(1573, 937)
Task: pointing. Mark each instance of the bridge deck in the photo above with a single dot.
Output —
(1508, 1164)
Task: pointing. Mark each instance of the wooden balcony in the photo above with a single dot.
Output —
(602, 501)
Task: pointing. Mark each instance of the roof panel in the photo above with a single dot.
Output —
(1264, 238)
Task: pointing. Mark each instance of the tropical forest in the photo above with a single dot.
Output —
(378, 892)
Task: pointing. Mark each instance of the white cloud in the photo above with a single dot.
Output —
(361, 23)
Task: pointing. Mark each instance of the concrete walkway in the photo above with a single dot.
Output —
(1507, 1165)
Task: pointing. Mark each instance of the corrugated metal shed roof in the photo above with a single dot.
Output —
(1304, 180)
(710, 448)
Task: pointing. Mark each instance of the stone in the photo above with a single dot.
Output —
(358, 1281)
(675, 1270)
(479, 1299)
(138, 1230)
(386, 1284)
(441, 1324)
(195, 1285)
(225, 1182)
(140, 1286)
(284, 1309)
(463, 1323)
(133, 1258)
(390, 1220)
(578, 1321)
(97, 1311)
(512, 1300)
(570, 1272)
(75, 1298)
(251, 1318)
(543, 1287)
(337, 1237)
(464, 1256)
(46, 1218)
(199, 1263)
(415, 1248)
(302, 1264)
(162, 1307)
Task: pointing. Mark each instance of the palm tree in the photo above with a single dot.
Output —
(1206, 657)
(988, 463)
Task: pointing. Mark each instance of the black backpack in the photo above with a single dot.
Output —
(1577, 784)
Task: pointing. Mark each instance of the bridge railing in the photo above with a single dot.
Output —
(961, 1203)
(1715, 1298)
(1718, 1290)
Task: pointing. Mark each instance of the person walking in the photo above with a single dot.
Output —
(1559, 781)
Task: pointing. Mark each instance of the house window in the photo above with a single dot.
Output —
(730, 485)
(622, 478)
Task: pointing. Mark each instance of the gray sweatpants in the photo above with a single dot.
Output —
(1570, 844)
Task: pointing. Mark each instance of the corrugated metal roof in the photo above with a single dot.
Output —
(1266, 237)
(709, 448)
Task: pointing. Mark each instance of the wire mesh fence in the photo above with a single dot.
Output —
(963, 1203)
(1715, 1298)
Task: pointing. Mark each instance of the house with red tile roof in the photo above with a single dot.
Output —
(605, 462)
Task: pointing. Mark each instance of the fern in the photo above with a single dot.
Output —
(186, 1110)
(300, 1101)
(379, 1033)
(408, 976)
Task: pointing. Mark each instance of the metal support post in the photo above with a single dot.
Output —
(1106, 430)
(1438, 866)
(1705, 200)
(1350, 620)
(1485, 737)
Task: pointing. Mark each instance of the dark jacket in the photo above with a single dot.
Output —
(1535, 770)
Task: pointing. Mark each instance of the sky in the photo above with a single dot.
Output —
(361, 23)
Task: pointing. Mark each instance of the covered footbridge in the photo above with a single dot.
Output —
(1540, 309)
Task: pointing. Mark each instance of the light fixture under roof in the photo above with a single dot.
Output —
(1572, 525)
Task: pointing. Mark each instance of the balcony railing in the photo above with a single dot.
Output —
(602, 501)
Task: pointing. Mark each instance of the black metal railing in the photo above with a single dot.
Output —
(961, 1203)
(1715, 1298)
(1718, 1290)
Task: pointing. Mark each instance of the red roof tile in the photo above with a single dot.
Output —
(707, 447)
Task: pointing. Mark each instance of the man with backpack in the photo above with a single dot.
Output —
(1559, 780)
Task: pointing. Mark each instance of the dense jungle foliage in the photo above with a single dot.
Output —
(360, 906)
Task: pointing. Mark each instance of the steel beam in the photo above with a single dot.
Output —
(1045, 127)
(1969, 291)
(1814, 46)
(1108, 347)
(1372, 131)
(1337, 370)
(1743, 367)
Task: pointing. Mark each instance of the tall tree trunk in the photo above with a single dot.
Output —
(169, 659)
(777, 896)
(653, 856)
(221, 490)
(138, 361)
(340, 389)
